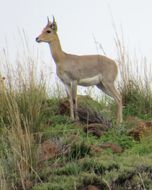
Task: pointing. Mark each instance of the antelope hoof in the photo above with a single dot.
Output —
(77, 118)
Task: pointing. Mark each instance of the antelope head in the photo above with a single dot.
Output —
(49, 32)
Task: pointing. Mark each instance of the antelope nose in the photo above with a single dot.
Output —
(37, 39)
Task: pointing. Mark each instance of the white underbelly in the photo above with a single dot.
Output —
(90, 81)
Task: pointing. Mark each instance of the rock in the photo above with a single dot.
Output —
(96, 149)
(96, 129)
(48, 149)
(139, 127)
(115, 148)
(64, 107)
(86, 113)
(91, 187)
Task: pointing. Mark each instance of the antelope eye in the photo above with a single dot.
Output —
(48, 31)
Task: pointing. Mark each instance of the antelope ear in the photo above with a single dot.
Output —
(54, 25)
(49, 23)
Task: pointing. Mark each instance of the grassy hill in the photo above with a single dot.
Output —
(42, 149)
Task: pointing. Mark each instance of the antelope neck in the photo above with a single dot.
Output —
(56, 50)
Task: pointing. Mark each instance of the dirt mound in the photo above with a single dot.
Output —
(133, 179)
(139, 127)
(114, 147)
(96, 129)
(50, 149)
(91, 187)
(136, 179)
(87, 113)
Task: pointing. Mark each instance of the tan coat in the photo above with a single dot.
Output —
(84, 70)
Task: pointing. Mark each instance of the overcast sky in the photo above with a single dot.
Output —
(78, 21)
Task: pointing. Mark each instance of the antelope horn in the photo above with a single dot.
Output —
(54, 19)
(48, 20)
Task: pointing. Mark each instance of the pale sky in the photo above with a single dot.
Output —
(78, 21)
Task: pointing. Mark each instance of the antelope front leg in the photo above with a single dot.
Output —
(69, 95)
(74, 95)
(71, 102)
(71, 108)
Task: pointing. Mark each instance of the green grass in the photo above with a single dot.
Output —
(29, 117)
(137, 100)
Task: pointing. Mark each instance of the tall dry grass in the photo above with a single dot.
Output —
(134, 81)
(22, 101)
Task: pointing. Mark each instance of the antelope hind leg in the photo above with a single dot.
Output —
(112, 91)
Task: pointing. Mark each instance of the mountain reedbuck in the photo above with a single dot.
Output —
(84, 70)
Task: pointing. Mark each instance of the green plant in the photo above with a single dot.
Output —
(78, 151)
